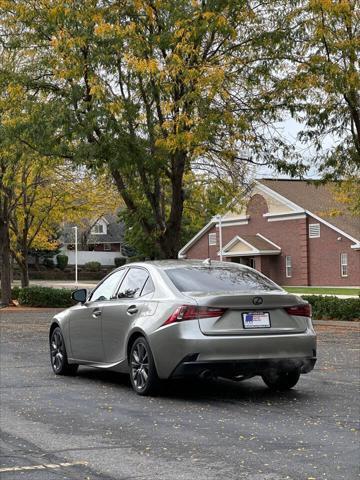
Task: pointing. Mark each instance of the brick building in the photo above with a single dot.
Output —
(293, 231)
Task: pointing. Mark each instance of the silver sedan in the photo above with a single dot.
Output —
(174, 318)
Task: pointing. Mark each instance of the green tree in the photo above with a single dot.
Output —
(155, 90)
(321, 82)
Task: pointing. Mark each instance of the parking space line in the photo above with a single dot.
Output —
(43, 466)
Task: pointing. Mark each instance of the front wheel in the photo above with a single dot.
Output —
(143, 375)
(281, 380)
(58, 356)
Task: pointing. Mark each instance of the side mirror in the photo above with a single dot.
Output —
(79, 295)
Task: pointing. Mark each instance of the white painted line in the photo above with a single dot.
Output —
(42, 467)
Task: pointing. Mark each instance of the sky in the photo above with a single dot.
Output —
(290, 129)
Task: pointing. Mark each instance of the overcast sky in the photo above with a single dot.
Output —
(290, 128)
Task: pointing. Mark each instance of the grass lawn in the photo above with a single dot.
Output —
(324, 290)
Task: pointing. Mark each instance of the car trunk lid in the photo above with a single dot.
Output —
(249, 314)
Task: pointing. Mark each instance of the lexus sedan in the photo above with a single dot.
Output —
(173, 318)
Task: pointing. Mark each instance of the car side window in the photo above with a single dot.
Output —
(133, 283)
(106, 289)
(148, 287)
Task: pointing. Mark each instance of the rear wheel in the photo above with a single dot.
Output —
(143, 375)
(280, 380)
(58, 356)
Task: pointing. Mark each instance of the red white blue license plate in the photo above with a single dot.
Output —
(256, 320)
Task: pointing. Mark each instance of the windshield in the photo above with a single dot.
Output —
(218, 279)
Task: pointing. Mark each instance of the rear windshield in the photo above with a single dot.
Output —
(218, 279)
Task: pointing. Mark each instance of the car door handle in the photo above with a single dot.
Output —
(132, 310)
(96, 312)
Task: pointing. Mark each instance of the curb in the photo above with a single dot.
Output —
(337, 323)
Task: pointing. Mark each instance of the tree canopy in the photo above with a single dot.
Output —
(168, 96)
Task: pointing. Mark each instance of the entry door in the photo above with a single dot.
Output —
(119, 315)
(86, 321)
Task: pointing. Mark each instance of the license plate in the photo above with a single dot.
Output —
(256, 320)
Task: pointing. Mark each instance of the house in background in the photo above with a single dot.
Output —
(100, 241)
(293, 231)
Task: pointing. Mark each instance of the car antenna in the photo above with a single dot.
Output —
(207, 262)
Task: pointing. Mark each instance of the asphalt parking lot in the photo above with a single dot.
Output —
(94, 427)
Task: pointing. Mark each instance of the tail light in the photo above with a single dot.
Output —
(303, 310)
(192, 312)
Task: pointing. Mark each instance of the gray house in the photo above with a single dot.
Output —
(100, 240)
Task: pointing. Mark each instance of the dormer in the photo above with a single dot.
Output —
(100, 227)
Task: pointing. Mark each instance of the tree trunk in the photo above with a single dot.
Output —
(5, 264)
(24, 271)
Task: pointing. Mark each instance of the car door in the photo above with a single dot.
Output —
(85, 320)
(118, 316)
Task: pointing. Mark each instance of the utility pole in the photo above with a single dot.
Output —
(76, 256)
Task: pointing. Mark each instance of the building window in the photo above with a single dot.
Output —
(288, 267)
(98, 229)
(107, 247)
(212, 239)
(314, 230)
(344, 264)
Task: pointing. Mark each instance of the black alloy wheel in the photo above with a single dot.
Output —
(58, 356)
(143, 375)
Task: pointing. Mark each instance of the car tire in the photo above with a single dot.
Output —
(281, 381)
(143, 375)
(58, 355)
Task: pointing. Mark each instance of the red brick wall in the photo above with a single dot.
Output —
(321, 268)
(324, 258)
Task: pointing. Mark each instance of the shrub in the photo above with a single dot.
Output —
(334, 308)
(62, 261)
(49, 263)
(45, 297)
(93, 266)
(15, 292)
(119, 261)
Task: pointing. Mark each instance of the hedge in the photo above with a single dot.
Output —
(93, 266)
(45, 297)
(119, 261)
(62, 261)
(333, 307)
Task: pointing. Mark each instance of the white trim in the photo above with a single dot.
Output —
(182, 252)
(280, 217)
(356, 246)
(267, 240)
(332, 226)
(299, 209)
(293, 206)
(288, 266)
(234, 223)
(212, 239)
(241, 218)
(239, 239)
(344, 264)
(314, 230)
(257, 253)
(254, 251)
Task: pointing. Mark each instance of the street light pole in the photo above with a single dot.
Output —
(219, 218)
(76, 256)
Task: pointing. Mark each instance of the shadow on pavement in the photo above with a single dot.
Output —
(219, 390)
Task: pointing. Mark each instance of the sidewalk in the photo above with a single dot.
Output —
(61, 283)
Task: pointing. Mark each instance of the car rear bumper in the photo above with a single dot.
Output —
(171, 345)
(238, 368)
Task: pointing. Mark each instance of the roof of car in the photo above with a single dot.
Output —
(165, 264)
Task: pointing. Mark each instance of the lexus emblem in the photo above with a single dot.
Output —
(257, 300)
